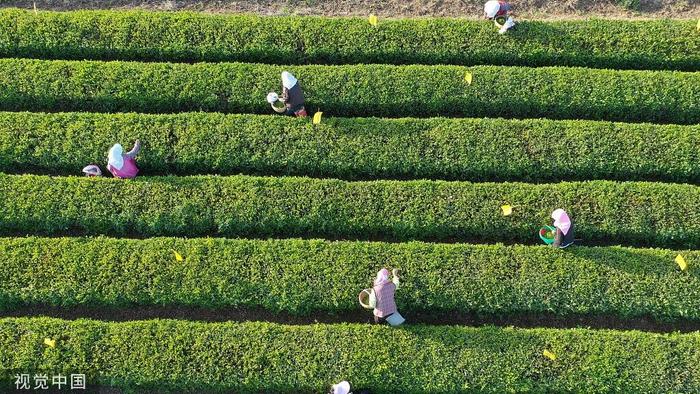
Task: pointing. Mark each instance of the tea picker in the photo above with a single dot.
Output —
(92, 170)
(381, 298)
(123, 165)
(344, 388)
(561, 234)
(341, 388)
(292, 99)
(500, 13)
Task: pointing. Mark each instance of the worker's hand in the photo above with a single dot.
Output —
(395, 272)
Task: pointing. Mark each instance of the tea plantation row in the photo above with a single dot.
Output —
(260, 357)
(286, 275)
(241, 206)
(120, 35)
(354, 148)
(356, 90)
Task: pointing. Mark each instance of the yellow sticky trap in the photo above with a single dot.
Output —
(681, 262)
(50, 342)
(507, 210)
(698, 24)
(468, 78)
(178, 256)
(373, 20)
(317, 118)
(549, 355)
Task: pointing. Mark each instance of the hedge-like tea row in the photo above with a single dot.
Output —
(287, 275)
(263, 357)
(635, 213)
(360, 90)
(660, 44)
(356, 148)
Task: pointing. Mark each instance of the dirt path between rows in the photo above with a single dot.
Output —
(533, 320)
(533, 9)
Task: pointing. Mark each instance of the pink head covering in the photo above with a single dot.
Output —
(382, 277)
(561, 220)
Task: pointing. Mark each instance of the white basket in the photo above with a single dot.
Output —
(367, 299)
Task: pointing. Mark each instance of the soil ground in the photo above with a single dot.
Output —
(534, 9)
(548, 320)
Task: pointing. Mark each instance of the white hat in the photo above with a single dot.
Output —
(288, 80)
(341, 388)
(92, 170)
(115, 157)
(491, 8)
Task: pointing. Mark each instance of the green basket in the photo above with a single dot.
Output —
(547, 234)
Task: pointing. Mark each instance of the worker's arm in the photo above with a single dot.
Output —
(135, 150)
(395, 279)
(558, 238)
(285, 95)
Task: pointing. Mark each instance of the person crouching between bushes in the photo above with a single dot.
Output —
(341, 388)
(501, 13)
(292, 96)
(92, 171)
(344, 388)
(565, 229)
(123, 165)
(385, 305)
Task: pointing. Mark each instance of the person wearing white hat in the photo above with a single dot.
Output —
(565, 229)
(292, 96)
(385, 310)
(123, 165)
(341, 388)
(501, 13)
(92, 171)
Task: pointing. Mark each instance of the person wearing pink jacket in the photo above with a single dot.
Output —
(385, 306)
(123, 165)
(565, 229)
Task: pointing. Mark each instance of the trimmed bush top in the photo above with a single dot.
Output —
(633, 213)
(285, 275)
(354, 148)
(189, 37)
(263, 357)
(356, 90)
